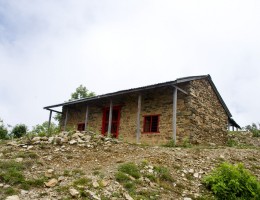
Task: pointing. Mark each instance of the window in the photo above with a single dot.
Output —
(151, 124)
(81, 127)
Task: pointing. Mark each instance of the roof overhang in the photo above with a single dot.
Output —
(149, 87)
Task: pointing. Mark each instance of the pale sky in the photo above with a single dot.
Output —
(49, 47)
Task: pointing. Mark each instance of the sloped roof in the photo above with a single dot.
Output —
(158, 85)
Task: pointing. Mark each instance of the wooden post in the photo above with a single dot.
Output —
(232, 128)
(66, 119)
(174, 116)
(49, 124)
(86, 119)
(110, 119)
(138, 118)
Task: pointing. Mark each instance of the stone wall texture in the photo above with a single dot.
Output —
(200, 115)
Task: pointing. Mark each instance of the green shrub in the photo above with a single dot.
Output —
(230, 182)
(186, 142)
(254, 128)
(19, 130)
(131, 169)
(163, 173)
(121, 177)
(81, 181)
(44, 129)
(3, 131)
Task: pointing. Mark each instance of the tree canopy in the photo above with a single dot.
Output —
(81, 92)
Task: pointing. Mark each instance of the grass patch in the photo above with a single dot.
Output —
(131, 176)
(122, 177)
(130, 169)
(81, 181)
(163, 173)
(11, 173)
(185, 143)
(28, 154)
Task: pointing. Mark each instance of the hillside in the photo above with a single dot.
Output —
(88, 166)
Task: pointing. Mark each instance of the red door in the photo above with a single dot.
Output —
(115, 121)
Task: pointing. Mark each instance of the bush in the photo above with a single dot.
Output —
(19, 130)
(3, 133)
(255, 130)
(232, 182)
(130, 169)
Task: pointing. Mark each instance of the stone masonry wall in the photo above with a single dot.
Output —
(207, 116)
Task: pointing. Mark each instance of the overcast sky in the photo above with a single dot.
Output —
(49, 47)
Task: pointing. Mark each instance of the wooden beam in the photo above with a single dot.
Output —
(138, 133)
(110, 119)
(183, 91)
(53, 110)
(49, 123)
(174, 116)
(86, 119)
(66, 119)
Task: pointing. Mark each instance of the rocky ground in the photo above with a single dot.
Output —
(85, 166)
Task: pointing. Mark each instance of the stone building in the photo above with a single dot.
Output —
(189, 108)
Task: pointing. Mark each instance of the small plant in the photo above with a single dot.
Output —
(10, 191)
(232, 143)
(186, 142)
(232, 182)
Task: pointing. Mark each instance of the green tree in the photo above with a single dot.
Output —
(19, 130)
(81, 92)
(42, 129)
(3, 130)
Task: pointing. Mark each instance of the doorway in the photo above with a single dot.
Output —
(115, 121)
